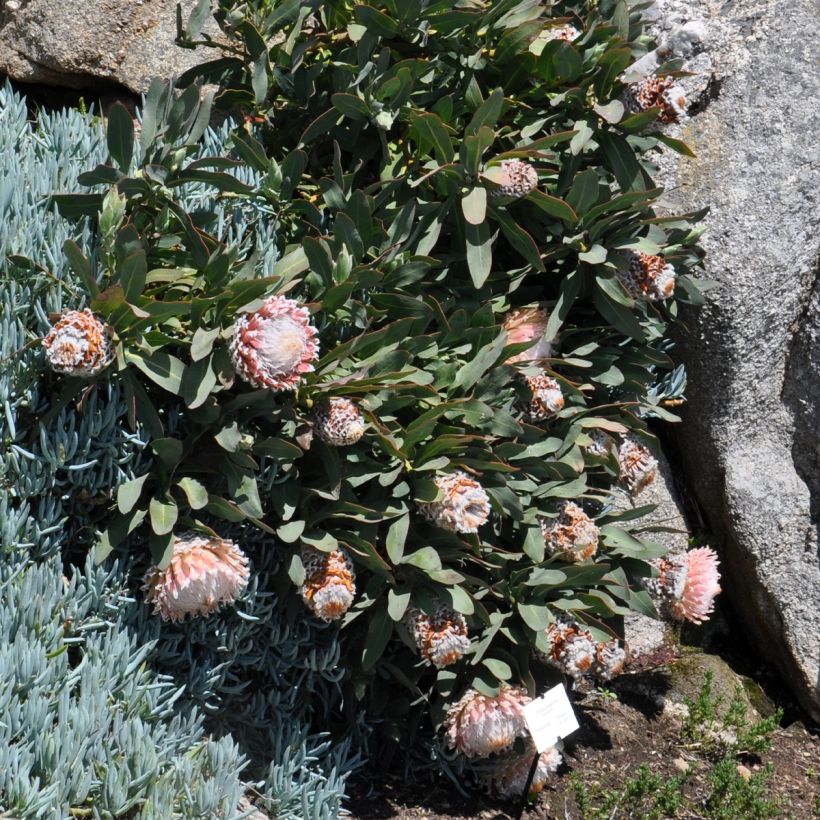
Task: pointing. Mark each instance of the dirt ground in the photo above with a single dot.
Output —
(615, 738)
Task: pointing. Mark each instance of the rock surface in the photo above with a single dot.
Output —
(113, 41)
(749, 440)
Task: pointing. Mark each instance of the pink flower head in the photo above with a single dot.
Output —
(79, 344)
(203, 574)
(528, 324)
(638, 467)
(441, 638)
(510, 775)
(479, 725)
(572, 536)
(687, 584)
(515, 178)
(330, 583)
(648, 277)
(465, 505)
(338, 422)
(547, 398)
(274, 346)
(658, 92)
(571, 647)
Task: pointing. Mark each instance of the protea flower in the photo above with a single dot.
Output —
(610, 659)
(547, 398)
(687, 584)
(441, 638)
(274, 346)
(657, 92)
(649, 277)
(479, 725)
(204, 573)
(572, 648)
(638, 467)
(79, 344)
(510, 775)
(567, 33)
(572, 536)
(600, 445)
(338, 422)
(464, 507)
(330, 583)
(528, 324)
(514, 177)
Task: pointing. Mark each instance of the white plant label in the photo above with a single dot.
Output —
(550, 718)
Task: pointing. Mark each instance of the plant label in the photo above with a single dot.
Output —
(550, 718)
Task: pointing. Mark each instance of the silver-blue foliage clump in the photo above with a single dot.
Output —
(102, 708)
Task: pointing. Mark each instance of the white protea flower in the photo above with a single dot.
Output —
(479, 725)
(638, 467)
(274, 347)
(571, 647)
(79, 344)
(649, 277)
(567, 33)
(339, 422)
(658, 92)
(441, 638)
(547, 398)
(528, 324)
(514, 177)
(510, 775)
(464, 507)
(203, 574)
(687, 584)
(572, 535)
(610, 659)
(600, 445)
(330, 582)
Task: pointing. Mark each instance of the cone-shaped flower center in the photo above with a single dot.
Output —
(282, 343)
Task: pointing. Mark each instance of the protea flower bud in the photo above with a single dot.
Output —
(274, 346)
(547, 398)
(572, 648)
(649, 277)
(479, 725)
(515, 178)
(638, 467)
(203, 574)
(338, 422)
(567, 33)
(686, 585)
(572, 536)
(330, 583)
(79, 344)
(510, 775)
(610, 660)
(600, 444)
(528, 325)
(441, 638)
(657, 92)
(465, 505)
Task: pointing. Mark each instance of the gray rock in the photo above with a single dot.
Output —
(80, 44)
(750, 433)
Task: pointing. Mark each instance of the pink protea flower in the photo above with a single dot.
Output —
(528, 324)
(638, 467)
(657, 92)
(600, 444)
(648, 277)
(610, 659)
(204, 573)
(567, 33)
(572, 648)
(465, 505)
(338, 422)
(479, 725)
(274, 346)
(510, 775)
(687, 584)
(514, 177)
(330, 583)
(79, 344)
(441, 638)
(572, 536)
(547, 398)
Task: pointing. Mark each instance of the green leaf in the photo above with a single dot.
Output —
(81, 266)
(460, 600)
(425, 559)
(163, 515)
(474, 205)
(197, 18)
(596, 255)
(376, 21)
(77, 206)
(202, 342)
(350, 105)
(501, 670)
(470, 373)
(129, 492)
(162, 548)
(431, 130)
(518, 238)
(619, 316)
(120, 136)
(378, 632)
(487, 113)
(290, 532)
(479, 241)
(168, 451)
(229, 438)
(621, 160)
(675, 145)
(251, 150)
(570, 287)
(162, 368)
(198, 382)
(195, 492)
(584, 192)
(133, 271)
(553, 206)
(397, 604)
(396, 536)
(296, 570)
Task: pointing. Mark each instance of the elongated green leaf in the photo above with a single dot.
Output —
(553, 206)
(397, 604)
(474, 205)
(80, 265)
(621, 160)
(378, 632)
(194, 491)
(396, 536)
(425, 559)
(163, 514)
(120, 136)
(487, 113)
(129, 492)
(431, 130)
(618, 316)
(479, 240)
(162, 368)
